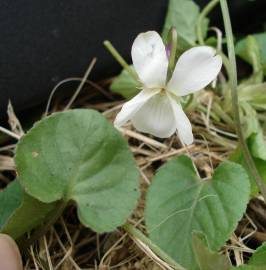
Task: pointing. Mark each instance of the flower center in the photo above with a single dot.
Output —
(163, 91)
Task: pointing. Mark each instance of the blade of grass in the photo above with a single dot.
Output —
(88, 71)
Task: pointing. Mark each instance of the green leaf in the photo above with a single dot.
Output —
(257, 145)
(253, 131)
(178, 203)
(31, 214)
(78, 156)
(241, 49)
(183, 15)
(259, 257)
(255, 95)
(27, 214)
(10, 200)
(249, 119)
(207, 259)
(125, 85)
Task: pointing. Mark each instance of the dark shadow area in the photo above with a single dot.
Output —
(43, 42)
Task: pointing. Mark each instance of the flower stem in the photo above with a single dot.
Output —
(207, 9)
(120, 59)
(233, 84)
(130, 229)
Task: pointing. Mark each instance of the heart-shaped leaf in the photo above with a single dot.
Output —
(78, 156)
(26, 214)
(178, 203)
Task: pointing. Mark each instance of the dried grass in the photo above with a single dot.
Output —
(69, 245)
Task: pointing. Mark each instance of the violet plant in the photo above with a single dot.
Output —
(78, 157)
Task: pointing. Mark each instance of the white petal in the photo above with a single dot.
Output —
(133, 105)
(150, 59)
(183, 124)
(194, 70)
(156, 117)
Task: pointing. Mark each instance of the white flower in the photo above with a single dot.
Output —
(156, 109)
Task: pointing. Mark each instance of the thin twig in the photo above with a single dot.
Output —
(142, 138)
(10, 133)
(74, 79)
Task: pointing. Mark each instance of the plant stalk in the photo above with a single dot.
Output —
(233, 85)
